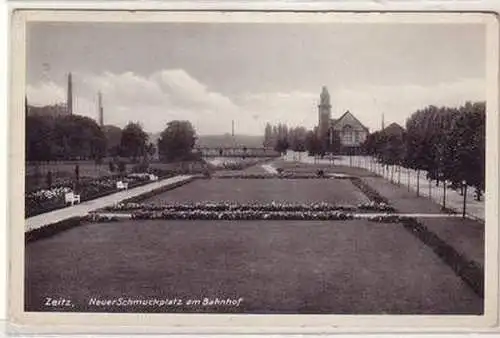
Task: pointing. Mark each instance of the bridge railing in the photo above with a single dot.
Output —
(237, 152)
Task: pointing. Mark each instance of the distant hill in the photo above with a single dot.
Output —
(224, 140)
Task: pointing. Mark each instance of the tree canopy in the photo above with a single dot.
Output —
(63, 138)
(447, 142)
(176, 142)
(133, 141)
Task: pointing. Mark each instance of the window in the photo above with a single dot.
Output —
(347, 135)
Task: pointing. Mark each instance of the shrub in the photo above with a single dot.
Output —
(141, 167)
(122, 167)
(48, 180)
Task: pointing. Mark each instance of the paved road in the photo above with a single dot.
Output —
(84, 208)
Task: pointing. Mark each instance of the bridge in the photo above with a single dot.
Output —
(237, 152)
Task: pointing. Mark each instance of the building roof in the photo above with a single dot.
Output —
(393, 128)
(335, 121)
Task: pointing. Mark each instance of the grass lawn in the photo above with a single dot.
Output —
(466, 236)
(265, 190)
(348, 267)
(299, 167)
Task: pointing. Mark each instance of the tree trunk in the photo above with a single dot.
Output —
(444, 194)
(464, 187)
(408, 175)
(418, 182)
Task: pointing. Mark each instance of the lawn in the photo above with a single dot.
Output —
(299, 167)
(339, 191)
(341, 267)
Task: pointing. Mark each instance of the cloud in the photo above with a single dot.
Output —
(174, 94)
(397, 103)
(47, 93)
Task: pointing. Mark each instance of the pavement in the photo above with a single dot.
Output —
(82, 209)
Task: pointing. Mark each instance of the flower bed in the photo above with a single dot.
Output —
(283, 175)
(388, 219)
(241, 215)
(371, 193)
(264, 207)
(376, 206)
(238, 163)
(46, 200)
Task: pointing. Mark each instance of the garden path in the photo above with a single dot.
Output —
(82, 209)
(269, 168)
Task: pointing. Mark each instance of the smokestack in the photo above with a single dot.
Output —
(383, 122)
(69, 102)
(101, 111)
(232, 128)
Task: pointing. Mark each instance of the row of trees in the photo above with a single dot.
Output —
(63, 137)
(448, 143)
(281, 138)
(74, 137)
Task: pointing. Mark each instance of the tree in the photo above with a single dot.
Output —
(281, 145)
(313, 144)
(297, 138)
(176, 142)
(39, 138)
(113, 136)
(133, 141)
(466, 159)
(63, 138)
(150, 149)
(268, 136)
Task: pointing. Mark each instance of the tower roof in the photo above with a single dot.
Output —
(324, 96)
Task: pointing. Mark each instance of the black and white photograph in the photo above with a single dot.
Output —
(329, 167)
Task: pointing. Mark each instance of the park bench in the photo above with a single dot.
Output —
(72, 198)
(120, 185)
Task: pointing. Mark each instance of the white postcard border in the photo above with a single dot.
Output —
(220, 323)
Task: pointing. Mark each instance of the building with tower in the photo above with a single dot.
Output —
(346, 129)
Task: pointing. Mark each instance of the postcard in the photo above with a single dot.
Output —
(254, 171)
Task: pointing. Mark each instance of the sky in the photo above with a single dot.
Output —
(213, 73)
